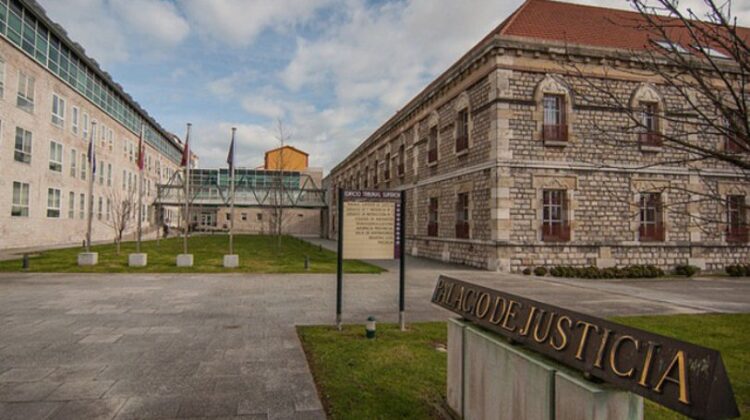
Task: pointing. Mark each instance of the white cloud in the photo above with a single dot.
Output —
(262, 106)
(91, 23)
(158, 20)
(239, 22)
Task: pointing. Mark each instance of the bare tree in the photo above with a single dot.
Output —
(278, 195)
(123, 208)
(701, 63)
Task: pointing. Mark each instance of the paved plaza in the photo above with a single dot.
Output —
(78, 346)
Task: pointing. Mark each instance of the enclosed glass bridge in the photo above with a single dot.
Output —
(253, 188)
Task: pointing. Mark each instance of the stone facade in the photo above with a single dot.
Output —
(116, 154)
(509, 165)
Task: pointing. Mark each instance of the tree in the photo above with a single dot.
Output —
(702, 63)
(123, 209)
(277, 194)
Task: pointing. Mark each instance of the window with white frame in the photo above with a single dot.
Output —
(25, 99)
(109, 174)
(2, 77)
(22, 151)
(84, 164)
(101, 174)
(85, 125)
(58, 110)
(74, 119)
(20, 206)
(53, 202)
(124, 180)
(82, 206)
(71, 205)
(55, 156)
(73, 165)
(109, 208)
(131, 151)
(100, 211)
(111, 139)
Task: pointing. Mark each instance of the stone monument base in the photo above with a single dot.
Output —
(88, 258)
(231, 261)
(185, 260)
(138, 260)
(491, 379)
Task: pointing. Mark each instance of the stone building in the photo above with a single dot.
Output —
(50, 94)
(502, 165)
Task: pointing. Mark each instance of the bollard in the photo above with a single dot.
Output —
(370, 327)
(25, 262)
(307, 263)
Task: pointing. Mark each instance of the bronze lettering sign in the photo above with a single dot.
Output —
(682, 376)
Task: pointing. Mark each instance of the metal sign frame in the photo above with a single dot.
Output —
(398, 197)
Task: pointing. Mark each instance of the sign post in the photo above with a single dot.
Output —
(371, 225)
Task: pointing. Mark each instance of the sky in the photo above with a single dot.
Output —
(332, 71)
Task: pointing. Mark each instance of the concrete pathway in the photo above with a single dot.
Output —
(76, 346)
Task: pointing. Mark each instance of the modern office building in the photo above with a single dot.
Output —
(284, 189)
(504, 166)
(51, 93)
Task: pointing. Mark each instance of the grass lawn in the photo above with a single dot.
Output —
(402, 375)
(258, 254)
(397, 375)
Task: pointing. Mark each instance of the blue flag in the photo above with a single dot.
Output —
(92, 155)
(230, 156)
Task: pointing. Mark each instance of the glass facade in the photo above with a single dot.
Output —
(20, 26)
(244, 178)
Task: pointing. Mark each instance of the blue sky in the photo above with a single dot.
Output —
(332, 70)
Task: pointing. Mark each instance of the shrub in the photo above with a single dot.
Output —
(556, 271)
(540, 271)
(737, 270)
(526, 271)
(686, 270)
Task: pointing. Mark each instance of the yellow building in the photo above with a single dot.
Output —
(286, 158)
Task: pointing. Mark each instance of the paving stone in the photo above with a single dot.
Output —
(100, 339)
(81, 390)
(89, 409)
(138, 408)
(208, 407)
(25, 374)
(26, 391)
(27, 410)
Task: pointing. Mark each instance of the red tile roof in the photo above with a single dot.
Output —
(587, 25)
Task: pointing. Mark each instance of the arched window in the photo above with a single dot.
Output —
(648, 106)
(554, 112)
(462, 127)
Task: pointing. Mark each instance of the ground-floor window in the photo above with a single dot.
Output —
(462, 216)
(53, 202)
(20, 207)
(737, 230)
(432, 221)
(651, 218)
(555, 226)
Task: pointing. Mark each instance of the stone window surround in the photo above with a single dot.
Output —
(647, 93)
(462, 103)
(433, 121)
(460, 188)
(552, 182)
(639, 186)
(726, 189)
(552, 85)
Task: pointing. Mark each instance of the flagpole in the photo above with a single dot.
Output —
(231, 203)
(92, 162)
(187, 192)
(140, 191)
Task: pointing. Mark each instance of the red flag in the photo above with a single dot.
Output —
(141, 154)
